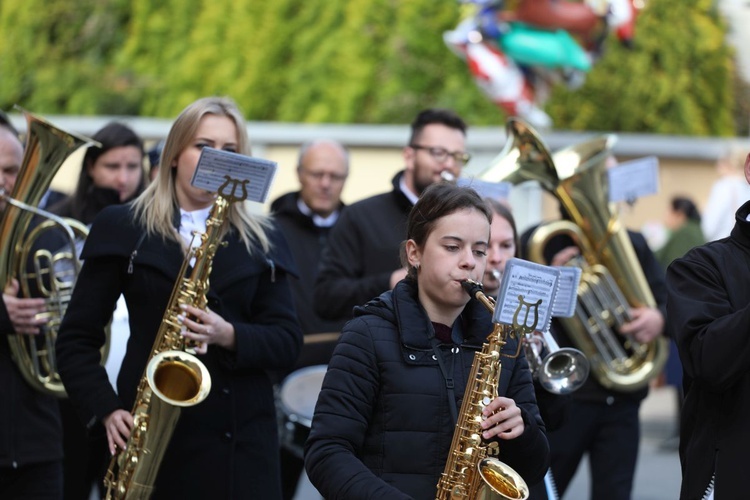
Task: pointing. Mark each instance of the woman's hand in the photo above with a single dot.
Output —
(502, 418)
(206, 327)
(118, 424)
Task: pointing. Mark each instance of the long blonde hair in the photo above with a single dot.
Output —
(155, 208)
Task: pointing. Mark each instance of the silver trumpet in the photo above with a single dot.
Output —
(558, 370)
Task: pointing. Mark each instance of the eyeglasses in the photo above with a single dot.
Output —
(441, 155)
(319, 176)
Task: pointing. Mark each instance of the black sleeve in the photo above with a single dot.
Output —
(82, 335)
(652, 270)
(342, 414)
(708, 322)
(341, 283)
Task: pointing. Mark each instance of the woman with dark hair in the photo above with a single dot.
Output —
(503, 245)
(110, 174)
(683, 221)
(386, 414)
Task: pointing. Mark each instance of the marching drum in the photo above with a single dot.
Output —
(297, 398)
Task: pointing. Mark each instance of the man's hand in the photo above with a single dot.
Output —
(22, 312)
(563, 256)
(646, 325)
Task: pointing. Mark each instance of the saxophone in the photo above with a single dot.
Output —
(472, 470)
(173, 378)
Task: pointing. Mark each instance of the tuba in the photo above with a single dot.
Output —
(612, 280)
(174, 378)
(40, 272)
(472, 471)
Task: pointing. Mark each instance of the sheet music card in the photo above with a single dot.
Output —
(234, 174)
(633, 179)
(567, 292)
(485, 189)
(527, 295)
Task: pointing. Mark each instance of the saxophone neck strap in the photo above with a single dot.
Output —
(447, 375)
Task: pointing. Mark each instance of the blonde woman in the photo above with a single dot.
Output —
(226, 446)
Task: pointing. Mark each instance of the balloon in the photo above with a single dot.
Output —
(514, 55)
(527, 45)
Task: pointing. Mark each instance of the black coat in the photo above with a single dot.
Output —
(226, 446)
(362, 253)
(306, 241)
(30, 428)
(382, 426)
(709, 317)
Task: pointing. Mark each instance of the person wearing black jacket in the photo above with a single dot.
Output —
(709, 317)
(603, 422)
(385, 417)
(30, 429)
(306, 218)
(226, 446)
(362, 260)
(111, 173)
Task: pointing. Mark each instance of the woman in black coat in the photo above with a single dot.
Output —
(383, 424)
(226, 446)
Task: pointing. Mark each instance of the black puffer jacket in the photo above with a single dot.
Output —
(382, 426)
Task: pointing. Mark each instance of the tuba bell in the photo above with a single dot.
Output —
(612, 280)
(40, 272)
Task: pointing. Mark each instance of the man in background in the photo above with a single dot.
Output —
(362, 258)
(30, 429)
(306, 218)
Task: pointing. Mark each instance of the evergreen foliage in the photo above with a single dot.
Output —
(363, 61)
(676, 80)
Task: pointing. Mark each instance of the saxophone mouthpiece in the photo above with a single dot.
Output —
(472, 287)
(497, 274)
(447, 176)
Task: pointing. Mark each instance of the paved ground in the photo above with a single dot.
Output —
(658, 471)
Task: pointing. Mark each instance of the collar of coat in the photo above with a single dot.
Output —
(401, 307)
(116, 234)
(741, 231)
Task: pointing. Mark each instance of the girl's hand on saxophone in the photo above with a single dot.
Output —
(206, 327)
(502, 418)
(118, 424)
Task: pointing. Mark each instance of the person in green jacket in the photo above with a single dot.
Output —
(683, 221)
(684, 224)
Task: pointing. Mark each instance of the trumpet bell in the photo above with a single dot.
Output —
(563, 371)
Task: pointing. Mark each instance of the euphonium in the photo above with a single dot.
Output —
(612, 280)
(40, 272)
(559, 370)
(472, 470)
(173, 378)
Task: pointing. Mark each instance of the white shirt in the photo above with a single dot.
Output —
(190, 222)
(407, 192)
(727, 195)
(317, 219)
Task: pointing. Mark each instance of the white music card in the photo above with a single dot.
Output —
(633, 179)
(567, 292)
(527, 295)
(495, 190)
(233, 175)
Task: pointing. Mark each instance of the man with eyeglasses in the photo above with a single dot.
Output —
(306, 218)
(362, 258)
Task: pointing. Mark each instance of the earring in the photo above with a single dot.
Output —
(416, 266)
